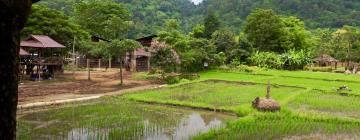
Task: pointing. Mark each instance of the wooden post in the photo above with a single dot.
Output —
(77, 61)
(38, 72)
(133, 62)
(99, 64)
(110, 63)
(148, 62)
(268, 90)
(121, 71)
(88, 68)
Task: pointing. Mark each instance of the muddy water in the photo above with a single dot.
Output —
(128, 121)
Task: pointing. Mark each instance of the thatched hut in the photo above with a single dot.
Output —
(325, 60)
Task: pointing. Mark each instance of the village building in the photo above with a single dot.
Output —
(38, 51)
(139, 60)
(325, 61)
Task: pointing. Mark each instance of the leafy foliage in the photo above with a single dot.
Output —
(211, 24)
(164, 59)
(101, 17)
(266, 60)
(45, 21)
(265, 30)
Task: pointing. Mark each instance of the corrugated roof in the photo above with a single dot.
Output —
(40, 41)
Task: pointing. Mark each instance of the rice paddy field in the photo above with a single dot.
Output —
(216, 106)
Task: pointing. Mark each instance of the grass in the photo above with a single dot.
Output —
(213, 95)
(328, 103)
(310, 106)
(324, 81)
(282, 125)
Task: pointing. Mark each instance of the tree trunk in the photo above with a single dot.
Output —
(14, 14)
(121, 71)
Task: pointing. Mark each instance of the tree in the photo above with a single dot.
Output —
(14, 15)
(97, 16)
(172, 24)
(224, 40)
(266, 31)
(118, 48)
(164, 58)
(45, 21)
(323, 38)
(296, 33)
(350, 36)
(198, 31)
(211, 24)
(241, 51)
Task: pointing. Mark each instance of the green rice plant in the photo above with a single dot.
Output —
(213, 95)
(331, 103)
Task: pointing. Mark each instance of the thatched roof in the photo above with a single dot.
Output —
(266, 104)
(325, 58)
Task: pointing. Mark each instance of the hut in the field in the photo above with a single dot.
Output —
(39, 51)
(326, 61)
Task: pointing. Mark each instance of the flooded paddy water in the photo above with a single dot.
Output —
(116, 118)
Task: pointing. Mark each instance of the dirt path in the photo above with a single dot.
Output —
(74, 86)
(68, 98)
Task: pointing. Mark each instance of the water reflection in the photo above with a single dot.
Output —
(108, 120)
(190, 125)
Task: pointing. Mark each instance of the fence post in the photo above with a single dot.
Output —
(99, 64)
(88, 68)
(109, 63)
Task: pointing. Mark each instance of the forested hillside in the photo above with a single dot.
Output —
(215, 31)
(315, 13)
(149, 15)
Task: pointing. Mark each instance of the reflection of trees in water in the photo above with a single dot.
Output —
(117, 119)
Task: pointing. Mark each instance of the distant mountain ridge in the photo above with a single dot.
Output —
(150, 15)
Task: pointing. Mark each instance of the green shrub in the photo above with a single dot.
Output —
(294, 60)
(240, 68)
(245, 68)
(190, 76)
(266, 60)
(171, 79)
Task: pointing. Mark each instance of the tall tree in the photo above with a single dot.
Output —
(266, 31)
(224, 40)
(323, 38)
(58, 26)
(350, 36)
(98, 17)
(118, 48)
(211, 24)
(296, 33)
(14, 14)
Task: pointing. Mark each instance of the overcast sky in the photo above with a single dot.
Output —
(197, 1)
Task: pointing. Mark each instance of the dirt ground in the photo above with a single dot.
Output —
(75, 84)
